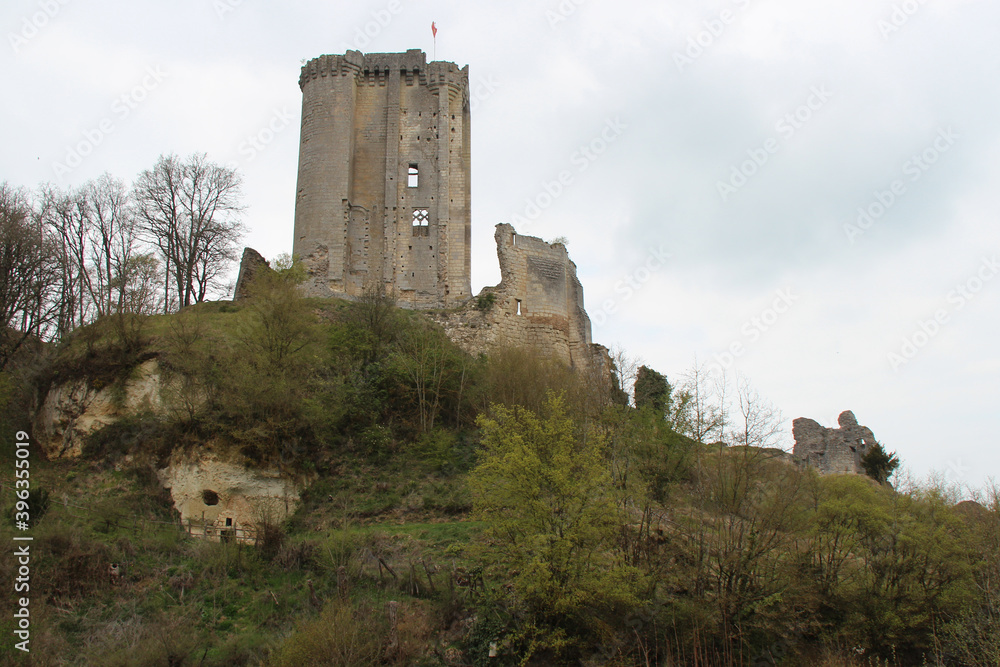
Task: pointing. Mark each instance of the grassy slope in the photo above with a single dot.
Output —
(210, 603)
(392, 523)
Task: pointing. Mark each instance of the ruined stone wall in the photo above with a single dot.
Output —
(832, 450)
(368, 121)
(538, 304)
(251, 265)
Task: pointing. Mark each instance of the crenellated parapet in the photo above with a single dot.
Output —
(384, 198)
(377, 68)
(443, 75)
(349, 64)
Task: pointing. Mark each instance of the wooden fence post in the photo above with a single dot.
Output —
(393, 629)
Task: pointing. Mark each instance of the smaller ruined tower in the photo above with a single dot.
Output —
(832, 450)
(384, 184)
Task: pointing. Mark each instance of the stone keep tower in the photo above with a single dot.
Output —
(384, 187)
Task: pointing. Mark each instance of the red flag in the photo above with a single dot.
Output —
(434, 29)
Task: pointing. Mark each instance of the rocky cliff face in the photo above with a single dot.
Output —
(75, 409)
(215, 496)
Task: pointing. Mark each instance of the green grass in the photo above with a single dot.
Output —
(437, 535)
(229, 602)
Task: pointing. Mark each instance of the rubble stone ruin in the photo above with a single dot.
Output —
(384, 199)
(832, 450)
(250, 267)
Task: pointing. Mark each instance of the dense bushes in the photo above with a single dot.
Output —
(723, 555)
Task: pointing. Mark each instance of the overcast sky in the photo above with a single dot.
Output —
(802, 192)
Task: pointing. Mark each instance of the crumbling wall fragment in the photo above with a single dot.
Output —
(251, 265)
(832, 450)
(538, 304)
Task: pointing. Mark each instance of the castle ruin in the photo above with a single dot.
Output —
(384, 186)
(538, 304)
(832, 450)
(384, 198)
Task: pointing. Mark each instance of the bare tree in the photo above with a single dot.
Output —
(102, 264)
(625, 369)
(759, 421)
(190, 211)
(28, 274)
(701, 417)
(66, 218)
(723, 404)
(139, 277)
(114, 253)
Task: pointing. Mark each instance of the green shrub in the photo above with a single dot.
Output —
(341, 636)
(485, 301)
(38, 505)
(128, 435)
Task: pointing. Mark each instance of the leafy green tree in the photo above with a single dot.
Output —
(432, 368)
(269, 373)
(741, 542)
(648, 461)
(376, 315)
(544, 489)
(280, 323)
(652, 389)
(879, 464)
(973, 636)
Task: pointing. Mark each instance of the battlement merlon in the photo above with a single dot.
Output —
(413, 63)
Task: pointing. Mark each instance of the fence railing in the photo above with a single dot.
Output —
(221, 530)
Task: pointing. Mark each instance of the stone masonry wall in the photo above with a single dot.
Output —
(369, 121)
(251, 265)
(384, 196)
(832, 450)
(538, 304)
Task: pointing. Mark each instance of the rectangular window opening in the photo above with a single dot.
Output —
(413, 176)
(518, 306)
(229, 521)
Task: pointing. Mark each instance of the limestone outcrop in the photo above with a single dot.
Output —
(216, 497)
(73, 410)
(832, 450)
